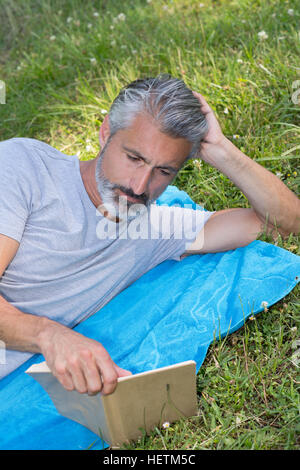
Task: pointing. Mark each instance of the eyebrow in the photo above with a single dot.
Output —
(146, 160)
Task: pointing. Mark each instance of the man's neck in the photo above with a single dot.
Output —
(87, 171)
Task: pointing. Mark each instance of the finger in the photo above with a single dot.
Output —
(65, 378)
(76, 371)
(109, 376)
(93, 377)
(204, 105)
(122, 372)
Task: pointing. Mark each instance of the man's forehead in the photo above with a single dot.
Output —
(145, 139)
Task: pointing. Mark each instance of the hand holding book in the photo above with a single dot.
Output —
(79, 363)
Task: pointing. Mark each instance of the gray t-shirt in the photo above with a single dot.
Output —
(71, 260)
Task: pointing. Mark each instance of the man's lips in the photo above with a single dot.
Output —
(130, 199)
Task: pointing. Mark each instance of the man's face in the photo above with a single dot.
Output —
(138, 163)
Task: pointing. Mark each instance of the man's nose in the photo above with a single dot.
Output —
(140, 181)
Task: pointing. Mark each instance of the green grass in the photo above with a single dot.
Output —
(247, 390)
(63, 66)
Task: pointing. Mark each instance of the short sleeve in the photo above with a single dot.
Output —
(188, 223)
(178, 228)
(192, 222)
(15, 190)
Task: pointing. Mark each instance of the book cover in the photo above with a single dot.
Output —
(139, 402)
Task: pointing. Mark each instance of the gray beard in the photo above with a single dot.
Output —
(117, 206)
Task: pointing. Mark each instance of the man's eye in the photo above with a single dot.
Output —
(164, 172)
(133, 159)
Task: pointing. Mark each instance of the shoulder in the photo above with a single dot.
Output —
(20, 144)
(18, 150)
(21, 152)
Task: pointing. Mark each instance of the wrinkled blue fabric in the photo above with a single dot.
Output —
(171, 314)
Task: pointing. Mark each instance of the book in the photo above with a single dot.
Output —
(138, 404)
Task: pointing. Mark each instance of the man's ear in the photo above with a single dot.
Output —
(104, 131)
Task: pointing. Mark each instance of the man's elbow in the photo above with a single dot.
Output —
(274, 230)
(293, 230)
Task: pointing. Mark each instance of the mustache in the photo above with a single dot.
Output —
(143, 198)
(105, 186)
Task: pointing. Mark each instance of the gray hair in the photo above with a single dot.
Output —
(169, 101)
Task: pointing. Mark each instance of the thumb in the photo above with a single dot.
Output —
(122, 372)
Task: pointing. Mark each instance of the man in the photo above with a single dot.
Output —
(57, 267)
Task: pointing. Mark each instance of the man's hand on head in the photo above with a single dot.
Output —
(214, 138)
(79, 363)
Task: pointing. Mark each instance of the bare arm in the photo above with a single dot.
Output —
(272, 201)
(274, 207)
(78, 362)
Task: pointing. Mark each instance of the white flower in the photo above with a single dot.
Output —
(197, 164)
(103, 111)
(262, 35)
(93, 60)
(120, 17)
(226, 111)
(240, 61)
(291, 12)
(264, 304)
(69, 19)
(235, 136)
(52, 38)
(166, 425)
(113, 43)
(88, 148)
(96, 14)
(278, 174)
(89, 25)
(238, 421)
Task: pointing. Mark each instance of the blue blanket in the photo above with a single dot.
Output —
(171, 314)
